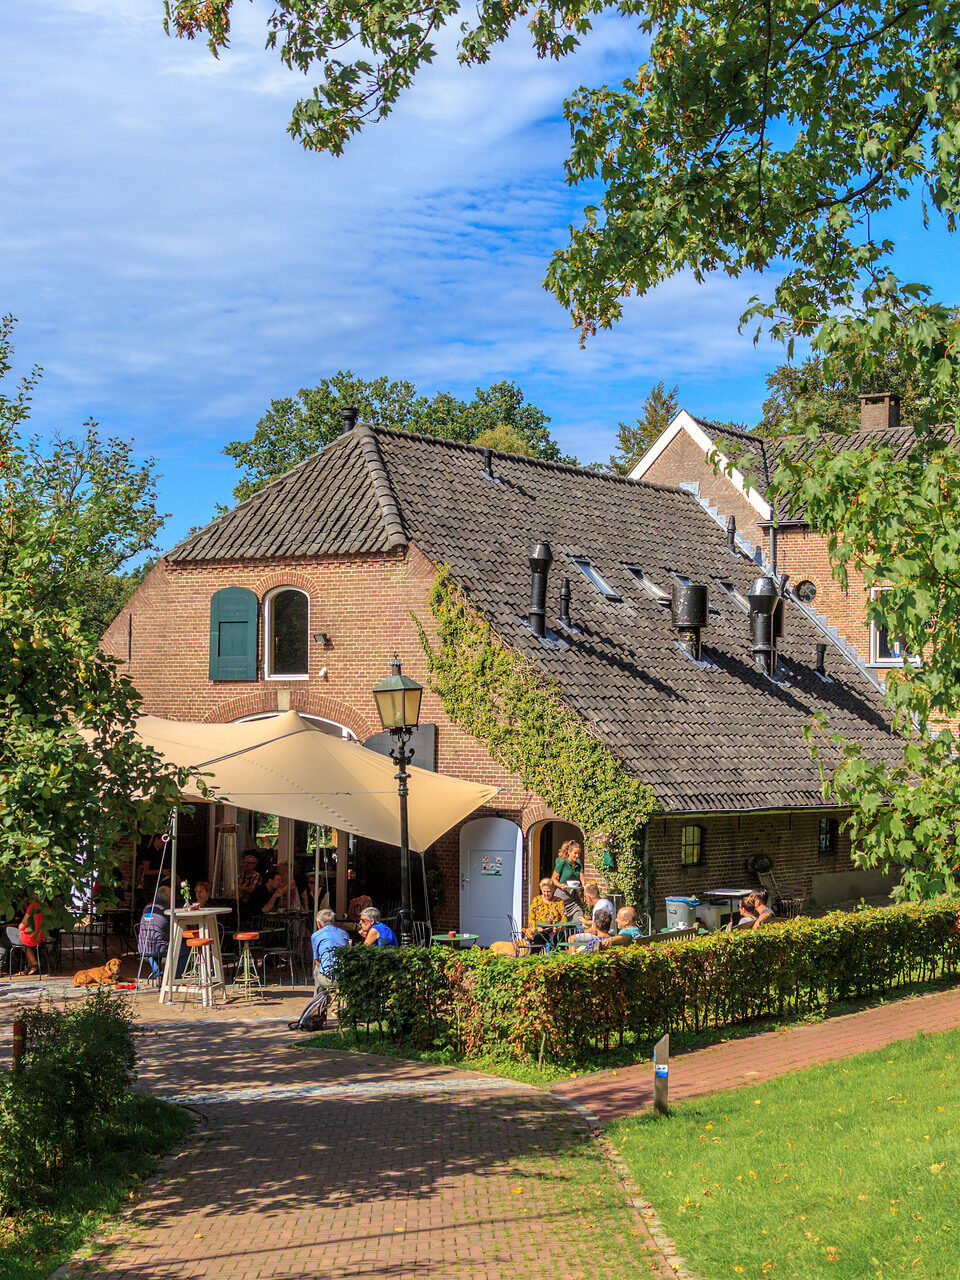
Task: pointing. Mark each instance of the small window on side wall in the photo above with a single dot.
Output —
(827, 837)
(691, 846)
(286, 634)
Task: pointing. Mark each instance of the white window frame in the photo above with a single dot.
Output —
(875, 659)
(268, 634)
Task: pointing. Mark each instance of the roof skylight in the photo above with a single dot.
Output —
(594, 576)
(648, 585)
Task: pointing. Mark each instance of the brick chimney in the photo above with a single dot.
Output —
(879, 411)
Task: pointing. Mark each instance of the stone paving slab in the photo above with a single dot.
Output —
(754, 1058)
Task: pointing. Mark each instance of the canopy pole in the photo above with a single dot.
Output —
(173, 949)
(316, 878)
(343, 854)
(426, 895)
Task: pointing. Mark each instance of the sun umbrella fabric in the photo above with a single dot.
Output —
(286, 766)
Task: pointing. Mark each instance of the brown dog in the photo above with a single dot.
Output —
(96, 977)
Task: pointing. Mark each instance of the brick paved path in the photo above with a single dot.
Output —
(398, 1170)
(724, 1066)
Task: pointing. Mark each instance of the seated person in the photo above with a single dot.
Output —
(755, 910)
(594, 903)
(153, 937)
(546, 909)
(602, 924)
(250, 880)
(627, 924)
(25, 935)
(324, 944)
(201, 895)
(373, 931)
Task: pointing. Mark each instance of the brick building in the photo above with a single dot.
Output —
(780, 538)
(297, 599)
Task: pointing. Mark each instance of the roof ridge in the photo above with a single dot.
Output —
(401, 434)
(733, 431)
(382, 487)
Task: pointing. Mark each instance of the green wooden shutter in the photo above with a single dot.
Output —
(233, 634)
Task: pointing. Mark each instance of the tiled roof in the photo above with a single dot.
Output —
(740, 444)
(336, 501)
(718, 738)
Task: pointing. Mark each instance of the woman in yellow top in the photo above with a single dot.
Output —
(544, 911)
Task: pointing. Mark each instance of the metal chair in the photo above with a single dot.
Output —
(789, 901)
(422, 933)
(523, 944)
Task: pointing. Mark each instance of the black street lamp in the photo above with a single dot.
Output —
(398, 703)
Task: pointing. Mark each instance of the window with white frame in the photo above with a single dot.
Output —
(886, 650)
(286, 622)
(593, 575)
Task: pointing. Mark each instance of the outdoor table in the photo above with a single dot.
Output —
(459, 940)
(730, 896)
(87, 935)
(204, 920)
(555, 932)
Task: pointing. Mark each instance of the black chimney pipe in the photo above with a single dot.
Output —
(764, 630)
(565, 604)
(821, 659)
(689, 609)
(540, 560)
(349, 416)
(732, 535)
(488, 463)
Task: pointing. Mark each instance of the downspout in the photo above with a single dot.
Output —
(646, 876)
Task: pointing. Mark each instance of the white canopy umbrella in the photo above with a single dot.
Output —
(287, 766)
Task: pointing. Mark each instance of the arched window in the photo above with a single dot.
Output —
(286, 613)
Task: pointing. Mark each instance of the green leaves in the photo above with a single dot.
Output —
(498, 417)
(66, 806)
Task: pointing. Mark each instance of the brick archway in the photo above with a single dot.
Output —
(262, 702)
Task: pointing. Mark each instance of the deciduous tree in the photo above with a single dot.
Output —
(295, 427)
(66, 803)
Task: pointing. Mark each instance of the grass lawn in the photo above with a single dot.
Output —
(39, 1239)
(845, 1171)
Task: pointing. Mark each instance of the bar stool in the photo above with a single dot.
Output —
(198, 971)
(246, 980)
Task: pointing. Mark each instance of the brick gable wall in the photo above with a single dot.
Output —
(684, 461)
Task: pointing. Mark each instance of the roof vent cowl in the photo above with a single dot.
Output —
(348, 415)
(689, 609)
(540, 560)
(765, 624)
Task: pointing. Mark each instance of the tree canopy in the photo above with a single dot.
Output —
(66, 803)
(657, 412)
(498, 417)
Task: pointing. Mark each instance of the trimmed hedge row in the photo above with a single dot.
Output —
(561, 1006)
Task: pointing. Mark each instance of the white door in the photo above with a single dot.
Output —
(491, 862)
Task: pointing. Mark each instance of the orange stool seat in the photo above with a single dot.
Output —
(189, 933)
(245, 937)
(199, 942)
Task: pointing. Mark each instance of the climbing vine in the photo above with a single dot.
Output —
(520, 717)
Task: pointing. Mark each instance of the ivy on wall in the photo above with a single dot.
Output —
(520, 717)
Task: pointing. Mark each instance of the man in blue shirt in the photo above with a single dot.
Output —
(324, 944)
(373, 931)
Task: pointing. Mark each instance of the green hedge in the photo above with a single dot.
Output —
(563, 1006)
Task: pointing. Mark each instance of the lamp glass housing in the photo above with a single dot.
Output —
(398, 701)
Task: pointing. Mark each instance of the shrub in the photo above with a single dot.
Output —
(78, 1069)
(563, 1006)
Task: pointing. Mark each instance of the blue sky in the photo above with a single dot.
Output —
(176, 261)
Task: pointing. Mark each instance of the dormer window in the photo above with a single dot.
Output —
(286, 613)
(593, 576)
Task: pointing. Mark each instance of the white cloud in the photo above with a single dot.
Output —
(176, 261)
